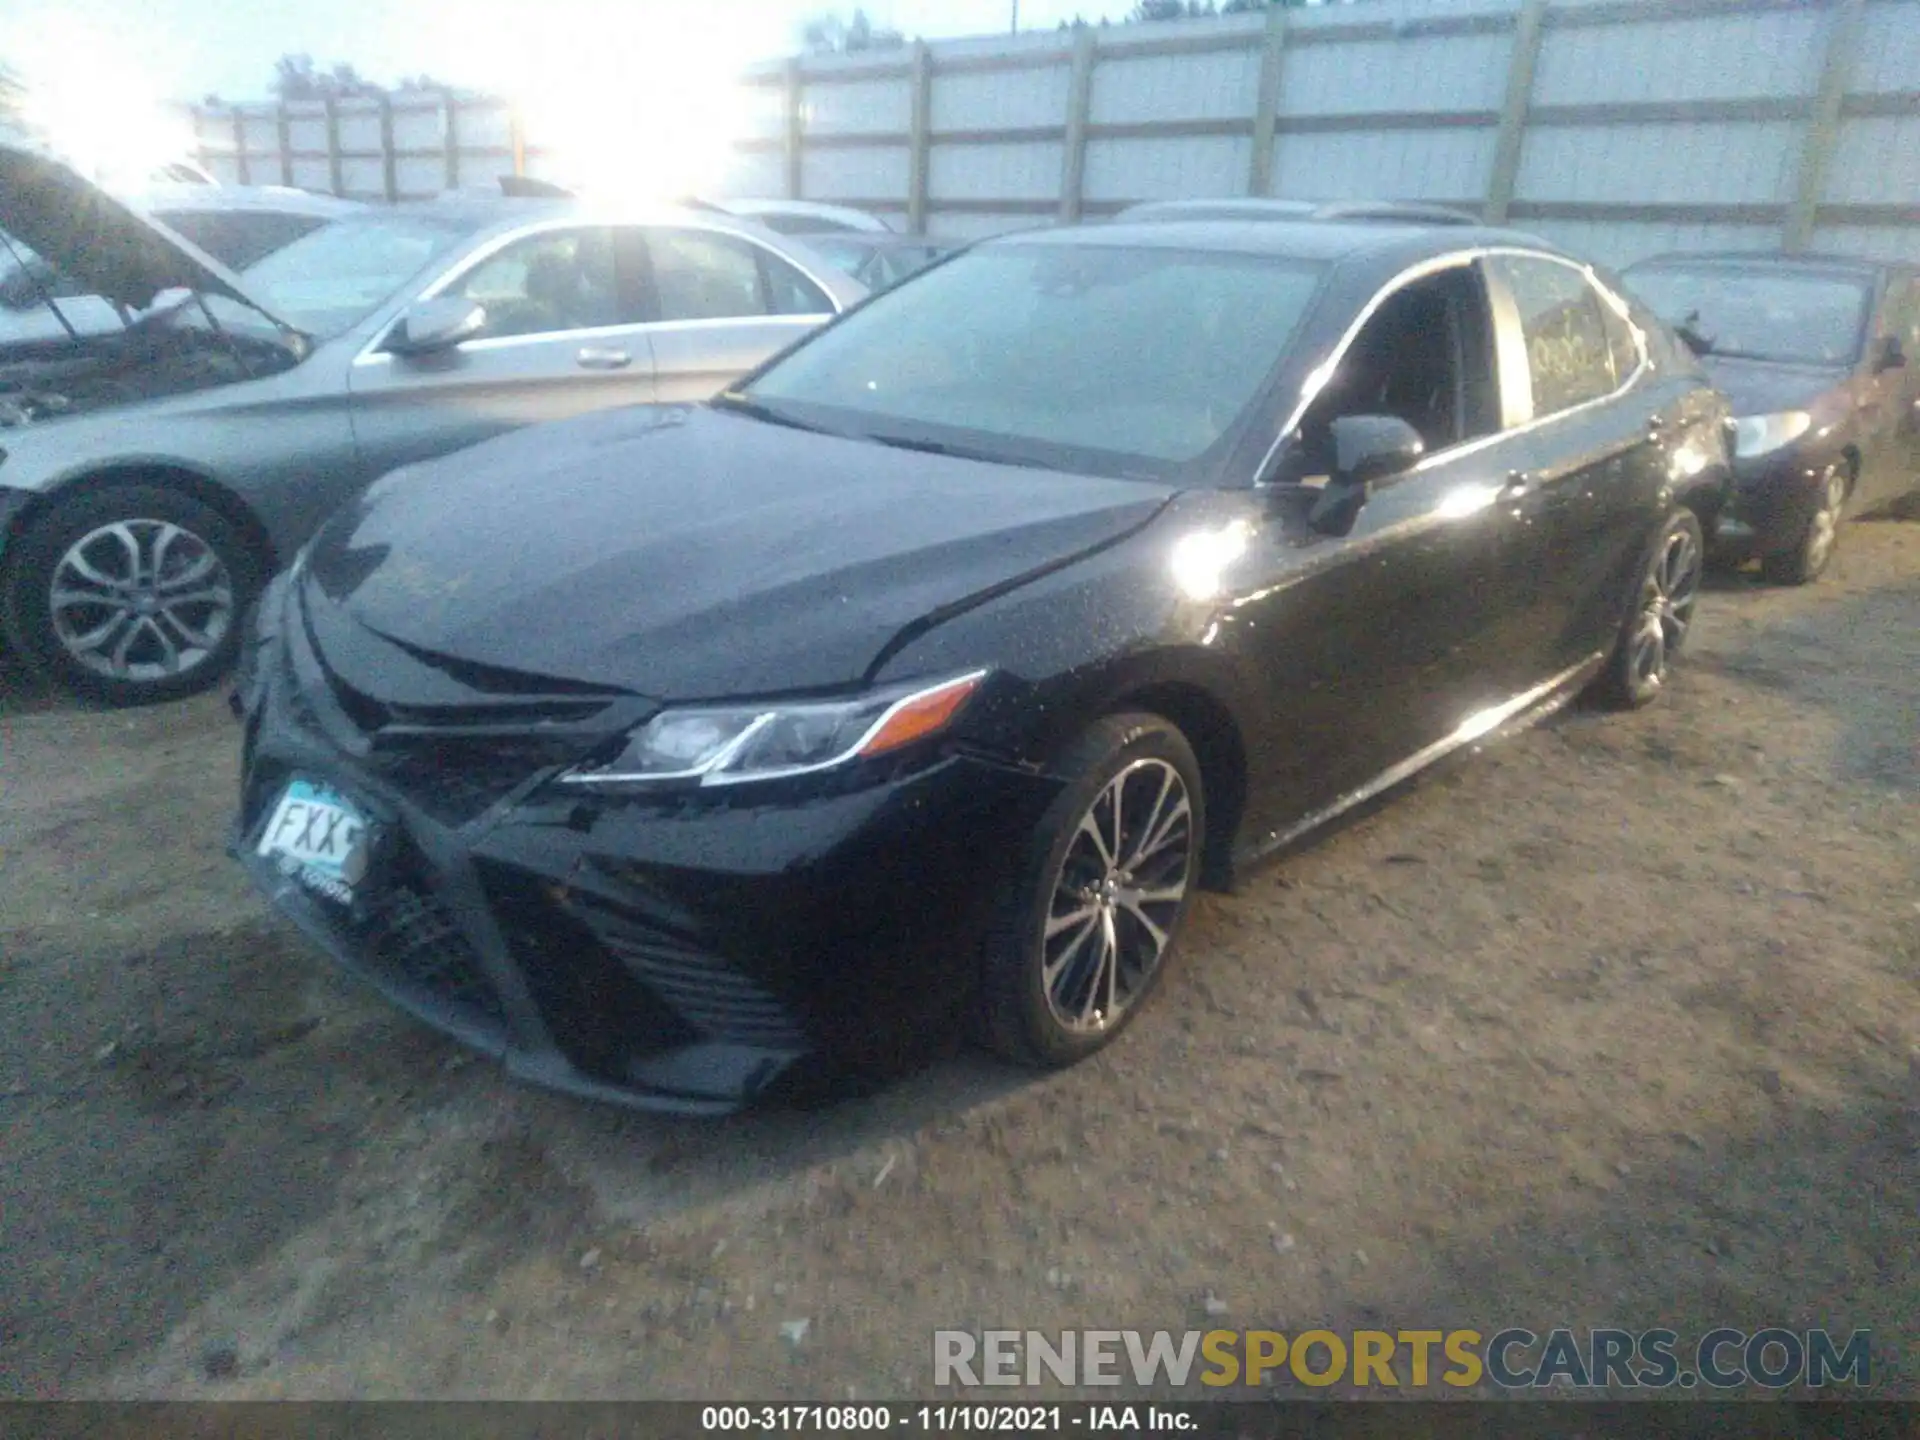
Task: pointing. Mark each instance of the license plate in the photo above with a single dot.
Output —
(318, 838)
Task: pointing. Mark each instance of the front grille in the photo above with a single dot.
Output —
(712, 996)
(456, 780)
(415, 940)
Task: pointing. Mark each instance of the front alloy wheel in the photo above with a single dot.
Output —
(128, 594)
(1087, 927)
(141, 600)
(1807, 559)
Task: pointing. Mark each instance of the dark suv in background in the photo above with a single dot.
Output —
(1817, 354)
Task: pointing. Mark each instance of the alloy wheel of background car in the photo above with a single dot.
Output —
(129, 595)
(1087, 930)
(1806, 561)
(1656, 626)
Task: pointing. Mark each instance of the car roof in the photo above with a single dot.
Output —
(1317, 240)
(1774, 260)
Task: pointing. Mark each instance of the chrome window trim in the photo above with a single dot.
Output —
(473, 259)
(1452, 260)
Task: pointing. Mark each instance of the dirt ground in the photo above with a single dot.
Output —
(1611, 1023)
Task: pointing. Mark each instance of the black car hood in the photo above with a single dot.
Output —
(96, 240)
(1762, 387)
(687, 553)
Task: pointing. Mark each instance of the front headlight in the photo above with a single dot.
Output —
(1763, 434)
(725, 745)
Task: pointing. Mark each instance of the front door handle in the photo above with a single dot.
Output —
(1656, 426)
(1519, 483)
(593, 358)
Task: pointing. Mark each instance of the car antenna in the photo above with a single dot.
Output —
(46, 293)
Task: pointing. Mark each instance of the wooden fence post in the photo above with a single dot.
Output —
(1823, 125)
(1266, 112)
(243, 171)
(794, 131)
(283, 137)
(389, 166)
(336, 180)
(1073, 163)
(450, 114)
(1529, 30)
(918, 158)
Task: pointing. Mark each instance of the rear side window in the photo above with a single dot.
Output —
(704, 275)
(1570, 352)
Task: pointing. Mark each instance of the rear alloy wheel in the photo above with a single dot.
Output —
(1806, 560)
(129, 595)
(1087, 927)
(1661, 616)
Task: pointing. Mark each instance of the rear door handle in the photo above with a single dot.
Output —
(593, 358)
(1519, 483)
(1656, 426)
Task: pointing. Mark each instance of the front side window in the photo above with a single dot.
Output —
(1107, 359)
(1425, 356)
(553, 281)
(704, 275)
(1806, 317)
(1570, 354)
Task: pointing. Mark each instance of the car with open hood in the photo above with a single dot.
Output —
(1818, 355)
(916, 684)
(152, 477)
(41, 309)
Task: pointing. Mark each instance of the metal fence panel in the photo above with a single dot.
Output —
(1617, 126)
(1406, 164)
(1452, 72)
(1221, 85)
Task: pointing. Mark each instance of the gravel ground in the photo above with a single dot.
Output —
(1610, 1023)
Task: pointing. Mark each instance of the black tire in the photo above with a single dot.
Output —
(1813, 551)
(1666, 597)
(1023, 1014)
(190, 551)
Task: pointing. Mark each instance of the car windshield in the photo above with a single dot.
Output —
(1105, 359)
(327, 282)
(1806, 318)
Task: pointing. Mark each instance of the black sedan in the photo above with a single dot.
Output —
(683, 756)
(1816, 354)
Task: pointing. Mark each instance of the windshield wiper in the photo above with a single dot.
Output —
(957, 452)
(1695, 341)
(738, 404)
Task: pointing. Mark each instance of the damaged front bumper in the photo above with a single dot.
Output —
(679, 955)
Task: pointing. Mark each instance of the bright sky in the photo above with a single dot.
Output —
(638, 94)
(188, 48)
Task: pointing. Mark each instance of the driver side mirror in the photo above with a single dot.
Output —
(1367, 450)
(438, 324)
(1891, 356)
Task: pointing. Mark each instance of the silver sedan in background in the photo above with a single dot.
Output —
(152, 479)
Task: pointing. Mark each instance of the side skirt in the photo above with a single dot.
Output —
(1526, 709)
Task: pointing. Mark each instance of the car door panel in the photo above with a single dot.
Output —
(721, 305)
(536, 363)
(696, 359)
(1416, 588)
(408, 408)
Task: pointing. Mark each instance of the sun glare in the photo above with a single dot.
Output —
(96, 103)
(642, 103)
